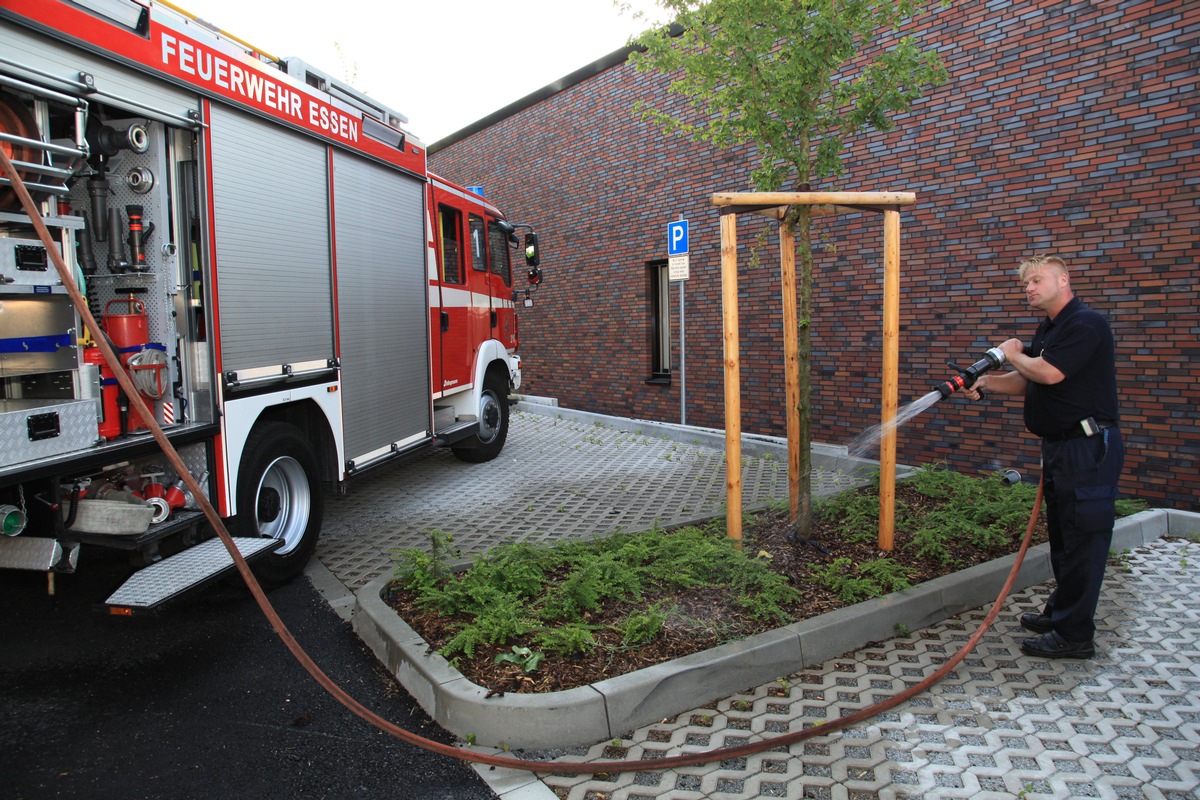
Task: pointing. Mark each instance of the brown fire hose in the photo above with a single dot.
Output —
(407, 736)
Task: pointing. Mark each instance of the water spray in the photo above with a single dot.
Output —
(966, 378)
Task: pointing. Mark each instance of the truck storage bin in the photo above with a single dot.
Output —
(33, 429)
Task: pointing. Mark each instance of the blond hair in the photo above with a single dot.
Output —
(1039, 261)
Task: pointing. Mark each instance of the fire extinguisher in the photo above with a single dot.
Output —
(110, 414)
(130, 333)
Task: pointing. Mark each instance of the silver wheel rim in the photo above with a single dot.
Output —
(282, 503)
(490, 418)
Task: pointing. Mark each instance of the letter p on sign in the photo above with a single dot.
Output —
(677, 238)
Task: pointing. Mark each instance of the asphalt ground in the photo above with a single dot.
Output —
(203, 701)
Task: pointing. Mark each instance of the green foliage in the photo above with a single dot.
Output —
(761, 593)
(591, 582)
(786, 75)
(980, 512)
(520, 591)
(941, 530)
(1127, 506)
(936, 481)
(420, 571)
(523, 657)
(568, 639)
(854, 584)
(639, 629)
(841, 579)
(856, 514)
(503, 620)
(886, 573)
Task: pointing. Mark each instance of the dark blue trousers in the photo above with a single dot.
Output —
(1080, 484)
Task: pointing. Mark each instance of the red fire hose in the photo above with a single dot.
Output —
(407, 736)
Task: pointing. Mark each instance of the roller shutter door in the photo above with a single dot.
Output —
(382, 306)
(270, 194)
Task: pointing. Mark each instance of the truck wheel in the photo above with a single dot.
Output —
(493, 422)
(279, 495)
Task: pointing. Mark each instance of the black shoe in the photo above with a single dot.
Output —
(1038, 623)
(1051, 645)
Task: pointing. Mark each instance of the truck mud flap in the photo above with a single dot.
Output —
(148, 589)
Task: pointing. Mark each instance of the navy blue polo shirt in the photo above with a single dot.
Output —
(1079, 343)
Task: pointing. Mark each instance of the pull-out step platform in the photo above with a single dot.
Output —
(197, 566)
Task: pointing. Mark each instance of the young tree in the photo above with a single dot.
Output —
(796, 78)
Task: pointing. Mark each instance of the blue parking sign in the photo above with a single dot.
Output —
(677, 238)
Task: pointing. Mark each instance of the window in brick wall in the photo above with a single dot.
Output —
(659, 284)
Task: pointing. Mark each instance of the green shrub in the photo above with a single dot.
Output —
(420, 571)
(857, 514)
(520, 591)
(1127, 506)
(871, 579)
(639, 629)
(888, 574)
(570, 639)
(840, 578)
(507, 619)
(981, 512)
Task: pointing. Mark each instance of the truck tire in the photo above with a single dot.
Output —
(489, 439)
(279, 495)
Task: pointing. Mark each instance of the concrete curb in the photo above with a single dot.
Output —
(613, 708)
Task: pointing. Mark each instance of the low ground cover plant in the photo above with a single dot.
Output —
(529, 617)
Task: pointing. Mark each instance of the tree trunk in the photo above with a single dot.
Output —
(805, 283)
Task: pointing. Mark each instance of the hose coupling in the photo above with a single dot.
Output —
(966, 378)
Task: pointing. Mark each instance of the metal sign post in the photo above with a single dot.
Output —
(677, 270)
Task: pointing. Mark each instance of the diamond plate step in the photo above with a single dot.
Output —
(37, 553)
(168, 579)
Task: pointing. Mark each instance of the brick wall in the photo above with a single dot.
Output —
(1065, 127)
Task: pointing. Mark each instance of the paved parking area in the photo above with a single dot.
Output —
(1125, 724)
(562, 475)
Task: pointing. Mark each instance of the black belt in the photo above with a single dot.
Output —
(1075, 432)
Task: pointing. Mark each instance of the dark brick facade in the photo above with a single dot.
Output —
(1066, 127)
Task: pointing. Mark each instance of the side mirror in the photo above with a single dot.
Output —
(533, 256)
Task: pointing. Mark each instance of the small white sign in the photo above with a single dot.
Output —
(677, 268)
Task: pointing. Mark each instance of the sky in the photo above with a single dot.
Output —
(442, 63)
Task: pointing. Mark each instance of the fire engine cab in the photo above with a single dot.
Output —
(295, 297)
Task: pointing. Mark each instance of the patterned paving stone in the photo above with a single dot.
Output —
(1125, 724)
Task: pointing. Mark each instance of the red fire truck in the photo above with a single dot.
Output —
(295, 297)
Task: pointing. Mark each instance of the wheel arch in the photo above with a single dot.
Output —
(307, 416)
(493, 356)
(243, 417)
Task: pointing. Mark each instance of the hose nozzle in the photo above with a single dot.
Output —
(966, 378)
